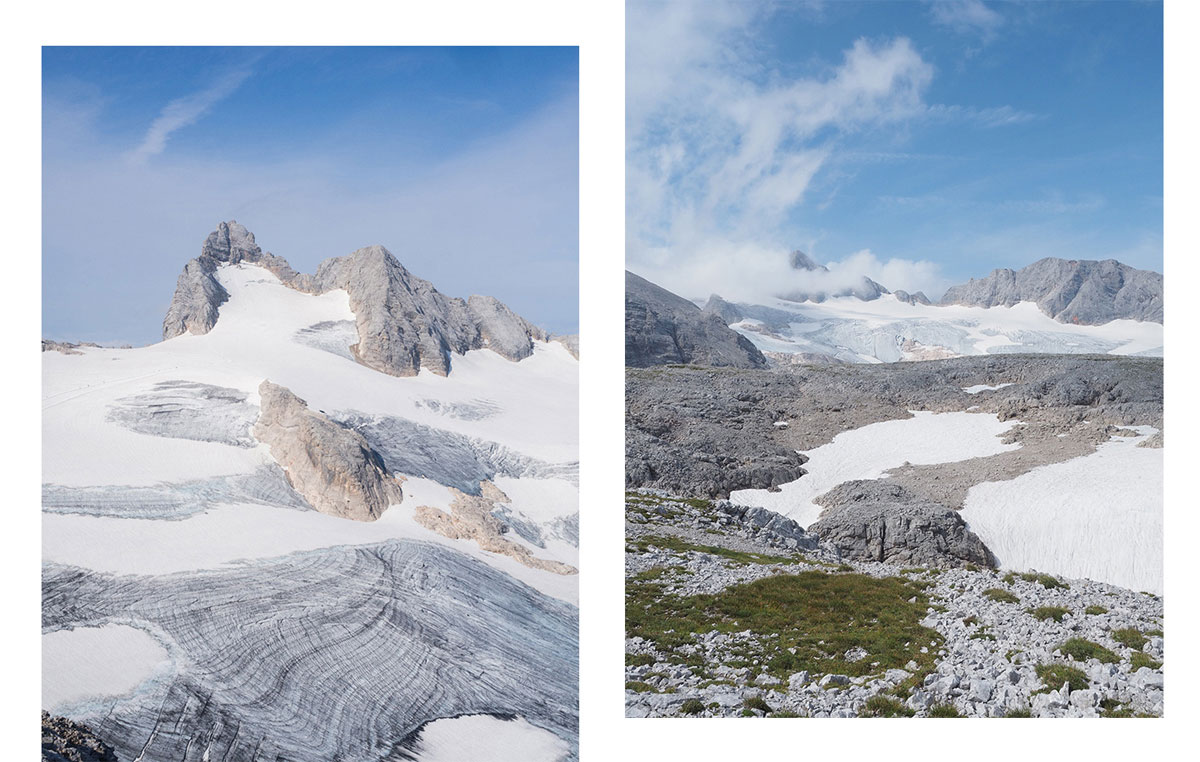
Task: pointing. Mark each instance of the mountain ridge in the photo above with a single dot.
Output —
(403, 322)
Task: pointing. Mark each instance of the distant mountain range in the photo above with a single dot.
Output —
(1052, 306)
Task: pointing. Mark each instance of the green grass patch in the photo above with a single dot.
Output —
(1094, 610)
(808, 621)
(1054, 675)
(1129, 637)
(1019, 713)
(784, 713)
(639, 660)
(757, 703)
(884, 706)
(971, 568)
(1139, 660)
(1154, 633)
(1042, 613)
(1045, 580)
(637, 686)
(1082, 650)
(692, 706)
(678, 545)
(944, 710)
(1009, 578)
(982, 634)
(1000, 595)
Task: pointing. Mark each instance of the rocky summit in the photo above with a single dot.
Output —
(1081, 291)
(403, 323)
(663, 328)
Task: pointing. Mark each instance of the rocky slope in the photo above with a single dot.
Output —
(67, 741)
(472, 517)
(402, 322)
(332, 467)
(936, 643)
(1070, 291)
(662, 328)
(708, 432)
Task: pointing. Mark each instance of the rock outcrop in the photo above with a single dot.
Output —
(332, 467)
(66, 741)
(863, 287)
(1070, 290)
(880, 521)
(471, 518)
(403, 323)
(663, 328)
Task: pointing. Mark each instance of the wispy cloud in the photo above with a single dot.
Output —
(185, 111)
(995, 116)
(721, 149)
(968, 17)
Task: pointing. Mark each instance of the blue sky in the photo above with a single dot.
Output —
(920, 143)
(461, 161)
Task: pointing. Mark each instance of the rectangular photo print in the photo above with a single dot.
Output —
(894, 359)
(310, 404)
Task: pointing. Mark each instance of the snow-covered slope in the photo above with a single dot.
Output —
(1097, 517)
(888, 330)
(151, 469)
(868, 452)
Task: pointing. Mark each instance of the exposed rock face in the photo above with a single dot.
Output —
(67, 741)
(570, 341)
(1070, 291)
(198, 295)
(402, 322)
(880, 521)
(917, 298)
(502, 330)
(471, 518)
(706, 432)
(332, 467)
(768, 527)
(66, 347)
(864, 288)
(662, 328)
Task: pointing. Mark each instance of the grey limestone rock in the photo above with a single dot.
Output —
(402, 323)
(1070, 291)
(662, 328)
(198, 295)
(914, 298)
(864, 288)
(66, 741)
(332, 467)
(503, 331)
(880, 521)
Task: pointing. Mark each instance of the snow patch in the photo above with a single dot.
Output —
(91, 662)
(870, 451)
(977, 388)
(1098, 516)
(482, 736)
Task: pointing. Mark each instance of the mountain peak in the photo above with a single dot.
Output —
(801, 261)
(1084, 291)
(403, 322)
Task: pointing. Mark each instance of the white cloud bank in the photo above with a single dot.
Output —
(721, 150)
